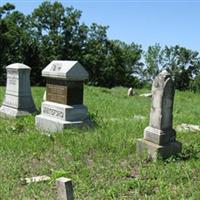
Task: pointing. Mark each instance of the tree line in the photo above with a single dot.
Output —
(54, 32)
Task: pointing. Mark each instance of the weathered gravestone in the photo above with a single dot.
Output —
(130, 92)
(18, 99)
(64, 97)
(64, 189)
(159, 137)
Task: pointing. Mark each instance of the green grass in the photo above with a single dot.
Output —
(100, 161)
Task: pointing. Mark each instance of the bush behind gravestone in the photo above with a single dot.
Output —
(195, 84)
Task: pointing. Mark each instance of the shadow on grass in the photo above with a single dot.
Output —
(188, 152)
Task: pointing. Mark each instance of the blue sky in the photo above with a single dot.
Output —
(143, 22)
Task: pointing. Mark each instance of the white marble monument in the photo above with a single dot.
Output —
(18, 99)
(63, 106)
(159, 137)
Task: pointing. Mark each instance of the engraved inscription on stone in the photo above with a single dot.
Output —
(56, 67)
(12, 77)
(11, 101)
(65, 92)
(56, 93)
(12, 80)
(12, 71)
(53, 112)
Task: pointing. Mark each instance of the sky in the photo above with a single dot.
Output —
(143, 22)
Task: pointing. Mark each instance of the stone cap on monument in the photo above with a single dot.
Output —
(65, 69)
(18, 66)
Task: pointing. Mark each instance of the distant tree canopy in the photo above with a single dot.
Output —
(182, 63)
(53, 32)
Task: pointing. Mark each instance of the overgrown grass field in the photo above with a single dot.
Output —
(101, 161)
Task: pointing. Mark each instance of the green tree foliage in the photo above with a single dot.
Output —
(182, 63)
(153, 60)
(126, 59)
(12, 36)
(195, 84)
(53, 32)
(95, 53)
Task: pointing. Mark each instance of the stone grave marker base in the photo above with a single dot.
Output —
(56, 117)
(8, 112)
(155, 151)
(56, 125)
(160, 137)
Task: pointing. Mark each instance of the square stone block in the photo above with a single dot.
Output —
(55, 125)
(9, 112)
(155, 151)
(64, 92)
(56, 117)
(64, 112)
(160, 137)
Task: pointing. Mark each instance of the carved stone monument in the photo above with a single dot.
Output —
(18, 99)
(159, 137)
(63, 106)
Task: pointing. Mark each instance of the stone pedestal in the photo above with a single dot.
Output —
(56, 117)
(18, 99)
(159, 137)
(155, 151)
(63, 107)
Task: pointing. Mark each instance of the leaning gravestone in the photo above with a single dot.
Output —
(18, 99)
(159, 137)
(63, 106)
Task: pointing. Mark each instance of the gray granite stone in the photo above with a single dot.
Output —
(145, 148)
(65, 69)
(64, 112)
(65, 79)
(159, 136)
(64, 189)
(18, 99)
(55, 117)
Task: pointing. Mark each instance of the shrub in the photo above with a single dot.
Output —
(195, 84)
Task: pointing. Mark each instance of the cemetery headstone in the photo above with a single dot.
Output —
(64, 97)
(130, 91)
(159, 137)
(64, 189)
(18, 99)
